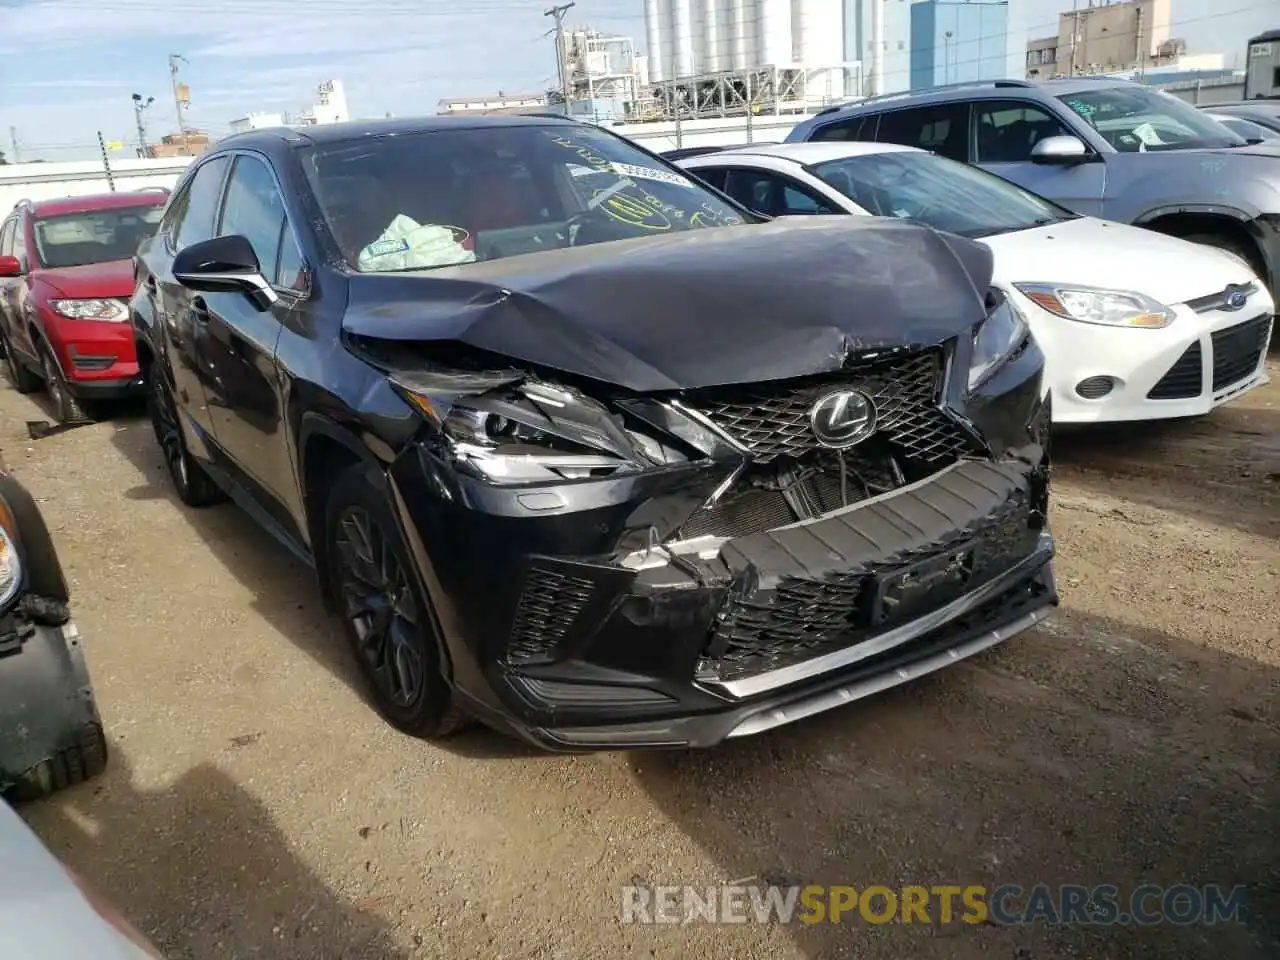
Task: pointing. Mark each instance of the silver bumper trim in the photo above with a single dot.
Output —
(779, 716)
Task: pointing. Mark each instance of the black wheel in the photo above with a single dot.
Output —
(82, 761)
(65, 407)
(23, 380)
(194, 487)
(389, 622)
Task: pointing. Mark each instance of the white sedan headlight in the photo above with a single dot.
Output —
(996, 339)
(112, 311)
(1108, 308)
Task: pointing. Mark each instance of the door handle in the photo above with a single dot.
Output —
(200, 312)
(151, 286)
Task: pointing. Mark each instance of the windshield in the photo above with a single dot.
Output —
(76, 239)
(446, 197)
(944, 194)
(1136, 119)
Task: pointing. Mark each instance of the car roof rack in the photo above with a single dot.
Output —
(905, 94)
(164, 190)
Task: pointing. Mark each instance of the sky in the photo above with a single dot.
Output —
(69, 67)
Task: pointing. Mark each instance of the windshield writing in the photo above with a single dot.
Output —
(1137, 120)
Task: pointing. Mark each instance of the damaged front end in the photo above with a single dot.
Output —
(613, 569)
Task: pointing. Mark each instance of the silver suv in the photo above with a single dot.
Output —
(1103, 147)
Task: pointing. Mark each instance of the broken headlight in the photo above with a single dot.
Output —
(997, 338)
(536, 433)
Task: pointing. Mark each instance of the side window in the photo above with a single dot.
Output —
(254, 209)
(1008, 129)
(18, 242)
(174, 212)
(858, 128)
(200, 205)
(944, 129)
(714, 176)
(290, 273)
(773, 194)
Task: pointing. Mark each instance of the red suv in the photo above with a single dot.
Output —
(66, 276)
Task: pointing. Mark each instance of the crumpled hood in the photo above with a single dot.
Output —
(1100, 253)
(701, 308)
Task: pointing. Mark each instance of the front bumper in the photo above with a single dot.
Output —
(98, 360)
(1107, 374)
(693, 648)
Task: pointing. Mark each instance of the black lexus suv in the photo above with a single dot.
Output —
(577, 446)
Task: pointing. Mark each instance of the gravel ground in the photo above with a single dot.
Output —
(255, 806)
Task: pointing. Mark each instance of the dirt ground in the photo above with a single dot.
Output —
(256, 807)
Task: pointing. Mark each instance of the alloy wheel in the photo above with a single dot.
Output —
(164, 421)
(380, 605)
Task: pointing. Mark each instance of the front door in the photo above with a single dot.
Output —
(1006, 130)
(244, 390)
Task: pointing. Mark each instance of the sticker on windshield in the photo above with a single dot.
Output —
(648, 173)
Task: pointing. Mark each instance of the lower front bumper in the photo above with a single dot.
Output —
(1024, 597)
(115, 389)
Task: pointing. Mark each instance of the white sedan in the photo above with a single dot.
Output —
(1134, 325)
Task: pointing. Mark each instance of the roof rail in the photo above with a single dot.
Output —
(24, 202)
(164, 190)
(962, 85)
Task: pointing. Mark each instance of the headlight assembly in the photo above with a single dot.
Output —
(996, 339)
(537, 433)
(10, 559)
(111, 311)
(1108, 308)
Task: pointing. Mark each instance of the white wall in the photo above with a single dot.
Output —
(47, 181)
(707, 133)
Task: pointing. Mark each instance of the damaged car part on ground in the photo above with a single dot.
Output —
(50, 733)
(624, 467)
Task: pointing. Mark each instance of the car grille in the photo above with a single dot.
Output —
(1184, 380)
(1237, 350)
(549, 606)
(773, 420)
(806, 617)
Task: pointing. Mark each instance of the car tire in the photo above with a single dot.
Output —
(66, 408)
(22, 379)
(389, 621)
(83, 760)
(193, 485)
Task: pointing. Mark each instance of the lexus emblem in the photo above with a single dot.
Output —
(843, 418)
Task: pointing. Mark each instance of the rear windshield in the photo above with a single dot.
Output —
(76, 239)
(444, 197)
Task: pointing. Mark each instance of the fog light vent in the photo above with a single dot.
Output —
(1095, 388)
(549, 605)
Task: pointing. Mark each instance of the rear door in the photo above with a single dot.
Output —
(14, 290)
(189, 219)
(7, 284)
(1005, 133)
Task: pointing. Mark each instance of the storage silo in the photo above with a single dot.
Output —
(714, 15)
(819, 39)
(654, 21)
(682, 37)
(774, 41)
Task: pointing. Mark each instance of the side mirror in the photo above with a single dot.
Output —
(224, 264)
(1060, 150)
(10, 267)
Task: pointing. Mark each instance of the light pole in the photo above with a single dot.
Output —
(178, 98)
(946, 57)
(139, 105)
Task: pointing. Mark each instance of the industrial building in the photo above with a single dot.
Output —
(714, 57)
(330, 106)
(1106, 37)
(958, 41)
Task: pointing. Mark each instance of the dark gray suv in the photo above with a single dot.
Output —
(1103, 147)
